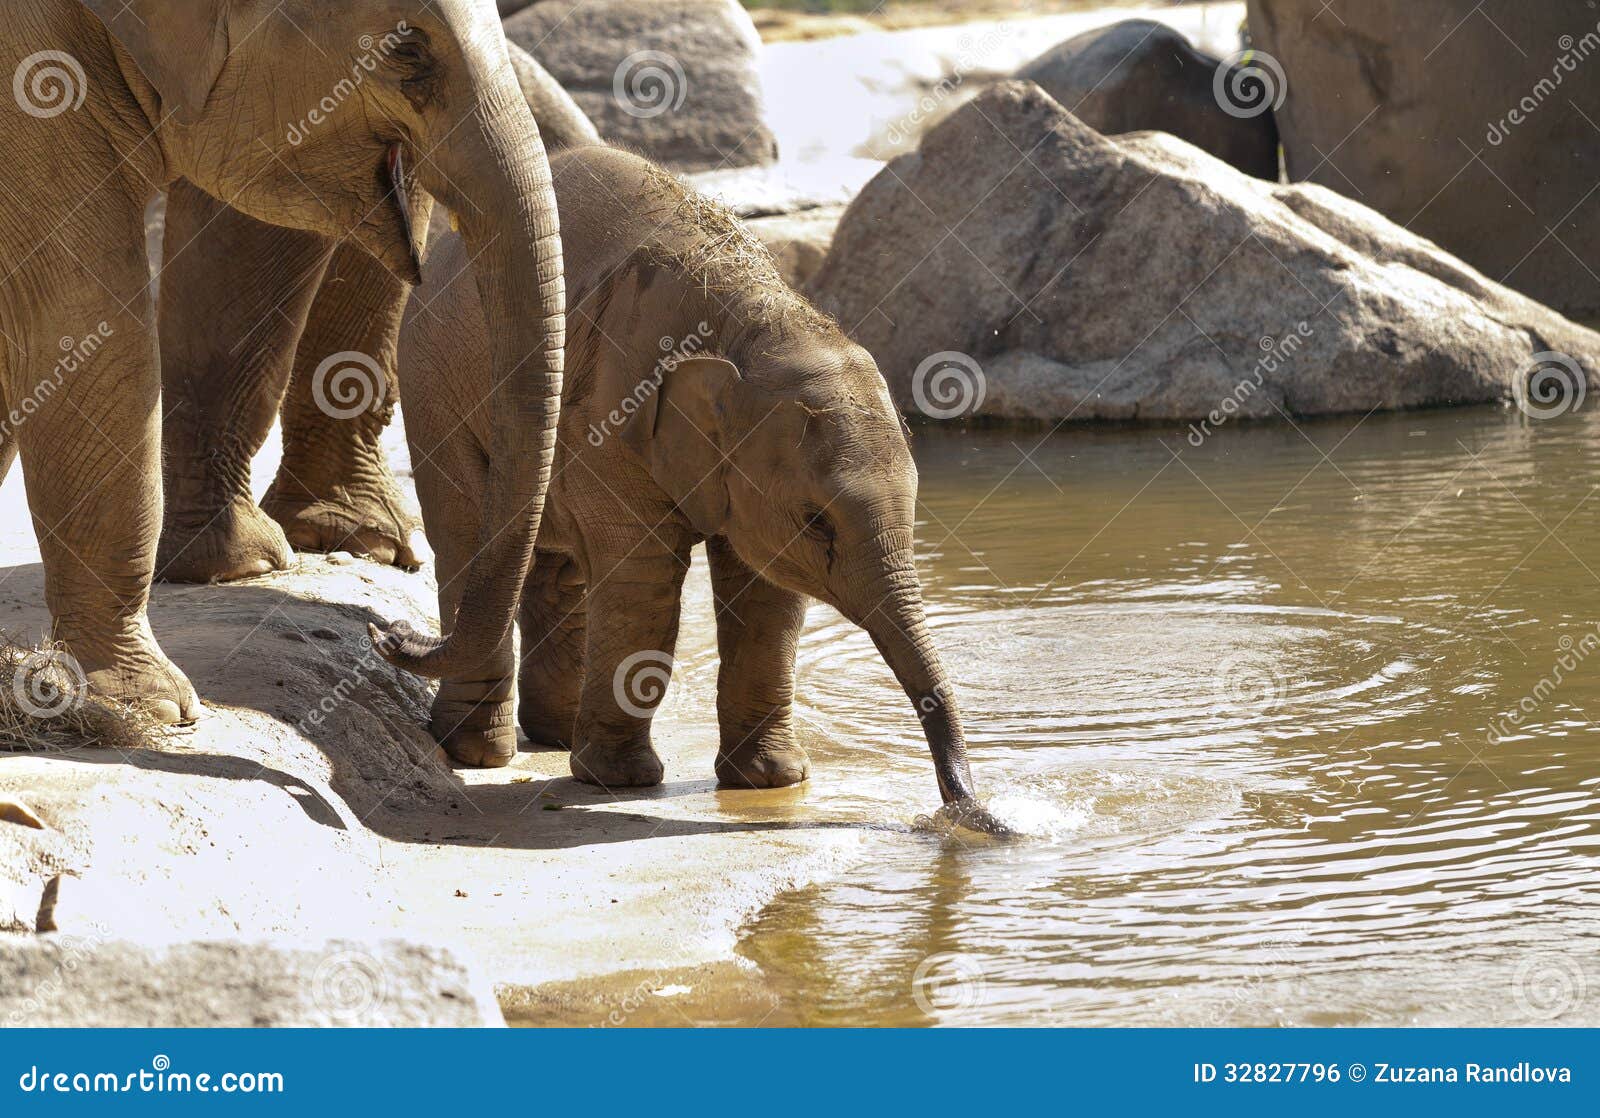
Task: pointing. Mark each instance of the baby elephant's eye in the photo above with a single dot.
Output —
(815, 524)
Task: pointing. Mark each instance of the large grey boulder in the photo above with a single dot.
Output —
(673, 79)
(1139, 75)
(94, 982)
(1139, 278)
(562, 124)
(1477, 126)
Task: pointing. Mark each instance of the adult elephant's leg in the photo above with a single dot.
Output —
(334, 490)
(758, 628)
(472, 716)
(91, 453)
(234, 297)
(632, 630)
(553, 622)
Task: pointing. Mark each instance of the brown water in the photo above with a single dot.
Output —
(1251, 700)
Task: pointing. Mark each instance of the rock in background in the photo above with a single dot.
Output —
(673, 79)
(1407, 106)
(1140, 278)
(86, 981)
(1140, 75)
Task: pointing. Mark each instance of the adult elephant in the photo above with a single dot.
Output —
(260, 322)
(302, 115)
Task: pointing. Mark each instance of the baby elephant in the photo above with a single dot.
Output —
(704, 401)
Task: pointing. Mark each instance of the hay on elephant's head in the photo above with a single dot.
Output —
(46, 706)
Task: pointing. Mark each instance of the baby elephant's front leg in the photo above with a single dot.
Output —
(758, 627)
(633, 628)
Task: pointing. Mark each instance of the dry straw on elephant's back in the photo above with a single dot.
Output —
(702, 238)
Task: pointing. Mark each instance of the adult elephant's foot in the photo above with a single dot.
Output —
(635, 766)
(472, 722)
(370, 520)
(763, 761)
(237, 542)
(132, 670)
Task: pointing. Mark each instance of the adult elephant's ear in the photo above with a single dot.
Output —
(180, 46)
(677, 430)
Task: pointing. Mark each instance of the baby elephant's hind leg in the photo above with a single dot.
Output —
(758, 628)
(472, 717)
(553, 622)
(631, 632)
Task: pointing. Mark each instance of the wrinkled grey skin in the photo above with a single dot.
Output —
(207, 90)
(251, 312)
(771, 438)
(1140, 75)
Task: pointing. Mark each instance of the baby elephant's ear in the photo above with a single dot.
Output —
(677, 431)
(180, 48)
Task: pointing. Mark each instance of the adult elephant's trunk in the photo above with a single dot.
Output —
(492, 173)
(892, 613)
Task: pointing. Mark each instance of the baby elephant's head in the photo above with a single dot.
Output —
(800, 461)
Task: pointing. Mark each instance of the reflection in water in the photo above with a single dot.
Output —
(1241, 696)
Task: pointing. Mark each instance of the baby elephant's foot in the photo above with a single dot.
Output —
(473, 724)
(237, 542)
(775, 763)
(633, 766)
